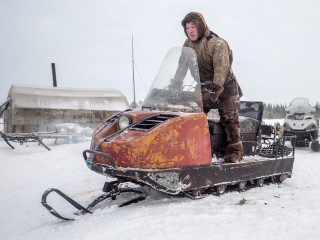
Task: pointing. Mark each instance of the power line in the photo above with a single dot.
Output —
(140, 77)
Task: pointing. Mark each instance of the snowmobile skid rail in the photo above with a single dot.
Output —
(111, 191)
(195, 178)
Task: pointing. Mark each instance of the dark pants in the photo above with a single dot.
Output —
(229, 119)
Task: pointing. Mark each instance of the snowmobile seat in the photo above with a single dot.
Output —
(217, 137)
(249, 130)
(250, 117)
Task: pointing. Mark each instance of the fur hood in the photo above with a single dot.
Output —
(198, 20)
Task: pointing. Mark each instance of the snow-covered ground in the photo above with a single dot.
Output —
(273, 121)
(290, 210)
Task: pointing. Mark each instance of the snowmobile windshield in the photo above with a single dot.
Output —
(177, 84)
(299, 109)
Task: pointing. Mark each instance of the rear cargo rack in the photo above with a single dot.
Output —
(150, 123)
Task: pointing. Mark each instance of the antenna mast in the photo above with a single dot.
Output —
(134, 88)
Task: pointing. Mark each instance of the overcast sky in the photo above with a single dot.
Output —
(276, 44)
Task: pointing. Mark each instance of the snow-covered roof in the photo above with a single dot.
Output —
(300, 105)
(25, 96)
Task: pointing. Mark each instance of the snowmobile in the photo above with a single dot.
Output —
(300, 121)
(171, 146)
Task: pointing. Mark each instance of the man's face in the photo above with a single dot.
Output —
(192, 31)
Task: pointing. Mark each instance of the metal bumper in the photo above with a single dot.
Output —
(310, 135)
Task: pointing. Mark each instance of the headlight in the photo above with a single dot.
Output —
(124, 121)
(299, 116)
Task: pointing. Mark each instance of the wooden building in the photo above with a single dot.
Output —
(39, 109)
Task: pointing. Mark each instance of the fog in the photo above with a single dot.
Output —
(275, 43)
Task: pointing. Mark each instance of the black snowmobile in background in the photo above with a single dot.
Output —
(171, 146)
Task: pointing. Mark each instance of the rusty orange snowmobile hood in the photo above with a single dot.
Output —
(181, 141)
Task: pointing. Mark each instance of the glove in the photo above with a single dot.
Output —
(209, 97)
(174, 85)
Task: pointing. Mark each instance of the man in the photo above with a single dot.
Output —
(219, 86)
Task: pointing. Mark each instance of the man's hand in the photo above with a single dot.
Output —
(174, 85)
(209, 97)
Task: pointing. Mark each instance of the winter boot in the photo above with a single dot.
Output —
(234, 153)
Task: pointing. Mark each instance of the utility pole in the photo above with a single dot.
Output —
(53, 66)
(134, 88)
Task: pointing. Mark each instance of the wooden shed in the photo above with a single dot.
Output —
(39, 109)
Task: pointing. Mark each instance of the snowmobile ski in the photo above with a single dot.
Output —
(111, 191)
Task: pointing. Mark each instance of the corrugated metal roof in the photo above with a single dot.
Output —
(25, 96)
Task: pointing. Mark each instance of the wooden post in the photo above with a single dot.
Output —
(53, 66)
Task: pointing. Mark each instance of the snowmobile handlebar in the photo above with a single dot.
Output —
(99, 154)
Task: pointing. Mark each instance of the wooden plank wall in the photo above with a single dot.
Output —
(45, 120)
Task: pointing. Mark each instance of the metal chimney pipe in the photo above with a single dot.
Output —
(53, 66)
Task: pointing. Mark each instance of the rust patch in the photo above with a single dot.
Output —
(208, 182)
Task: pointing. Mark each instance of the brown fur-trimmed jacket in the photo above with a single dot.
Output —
(214, 60)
